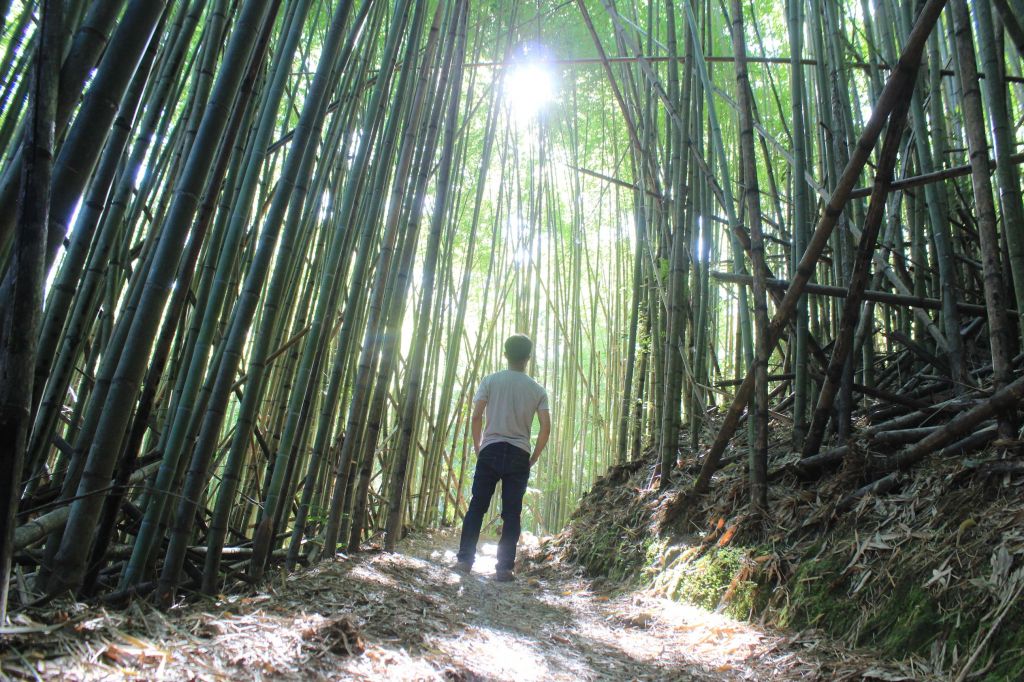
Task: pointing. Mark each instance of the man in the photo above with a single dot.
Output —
(509, 399)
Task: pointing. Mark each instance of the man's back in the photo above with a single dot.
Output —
(508, 400)
(513, 398)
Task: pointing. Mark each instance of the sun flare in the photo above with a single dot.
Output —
(529, 89)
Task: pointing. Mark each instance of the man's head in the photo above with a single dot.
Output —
(518, 349)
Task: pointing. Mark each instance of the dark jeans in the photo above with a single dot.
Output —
(510, 465)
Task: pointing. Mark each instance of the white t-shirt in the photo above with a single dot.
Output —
(513, 398)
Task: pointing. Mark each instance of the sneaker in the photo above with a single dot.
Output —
(504, 575)
(463, 567)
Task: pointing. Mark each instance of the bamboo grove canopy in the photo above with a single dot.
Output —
(257, 254)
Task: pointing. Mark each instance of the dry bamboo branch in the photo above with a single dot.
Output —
(869, 295)
(1005, 399)
(773, 61)
(858, 281)
(38, 528)
(899, 88)
(936, 176)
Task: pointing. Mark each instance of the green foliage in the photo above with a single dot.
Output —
(663, 267)
(1009, 641)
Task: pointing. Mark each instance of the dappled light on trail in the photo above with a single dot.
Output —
(409, 616)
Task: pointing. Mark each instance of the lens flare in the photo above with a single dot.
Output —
(529, 88)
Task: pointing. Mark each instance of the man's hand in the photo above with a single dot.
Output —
(477, 423)
(542, 437)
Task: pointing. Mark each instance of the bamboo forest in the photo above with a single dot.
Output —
(727, 295)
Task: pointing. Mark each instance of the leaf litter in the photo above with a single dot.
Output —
(408, 616)
(930, 573)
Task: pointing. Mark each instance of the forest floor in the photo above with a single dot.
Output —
(408, 616)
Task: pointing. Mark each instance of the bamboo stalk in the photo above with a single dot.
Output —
(896, 90)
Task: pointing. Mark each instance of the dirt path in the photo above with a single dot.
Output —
(409, 617)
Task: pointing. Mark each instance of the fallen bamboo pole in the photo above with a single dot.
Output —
(894, 479)
(935, 176)
(813, 466)
(38, 528)
(1005, 399)
(841, 292)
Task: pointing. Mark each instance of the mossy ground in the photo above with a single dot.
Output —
(869, 580)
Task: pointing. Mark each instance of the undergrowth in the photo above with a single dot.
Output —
(927, 573)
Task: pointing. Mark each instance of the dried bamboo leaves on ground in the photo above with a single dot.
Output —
(929, 571)
(407, 616)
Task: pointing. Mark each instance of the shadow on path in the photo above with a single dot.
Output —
(408, 616)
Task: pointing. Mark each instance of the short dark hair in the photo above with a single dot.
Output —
(518, 348)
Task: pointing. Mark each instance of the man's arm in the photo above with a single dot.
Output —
(542, 437)
(478, 423)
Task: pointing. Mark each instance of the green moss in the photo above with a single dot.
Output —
(705, 581)
(818, 598)
(909, 620)
(895, 619)
(654, 551)
(1008, 642)
(743, 600)
(893, 614)
(613, 552)
(1003, 658)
